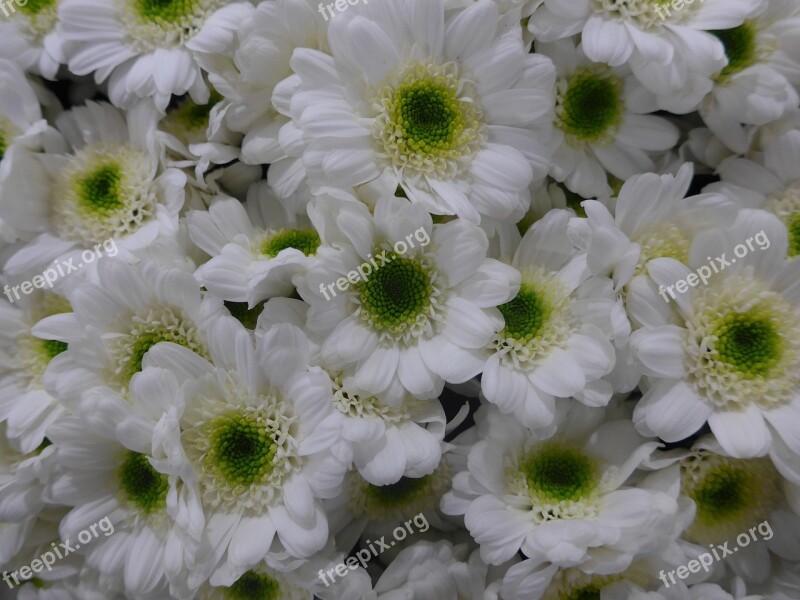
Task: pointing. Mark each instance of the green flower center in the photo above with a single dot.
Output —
(526, 314)
(305, 240)
(243, 448)
(35, 7)
(171, 11)
(591, 108)
(52, 348)
(591, 592)
(3, 144)
(246, 316)
(741, 47)
(559, 473)
(729, 493)
(429, 119)
(749, 342)
(104, 192)
(101, 190)
(188, 121)
(141, 484)
(408, 489)
(170, 328)
(254, 586)
(397, 294)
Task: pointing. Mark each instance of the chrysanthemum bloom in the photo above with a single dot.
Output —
(602, 125)
(23, 131)
(117, 319)
(418, 307)
(29, 37)
(771, 182)
(107, 474)
(669, 50)
(25, 406)
(255, 249)
(111, 187)
(146, 48)
(452, 108)
(560, 494)
(758, 84)
(551, 345)
(252, 441)
(651, 219)
(249, 77)
(730, 354)
(739, 498)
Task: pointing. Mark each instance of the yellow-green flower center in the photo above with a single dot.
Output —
(537, 320)
(399, 297)
(243, 448)
(741, 47)
(160, 324)
(141, 485)
(668, 241)
(558, 473)
(188, 121)
(306, 241)
(429, 121)
(749, 342)
(742, 344)
(105, 192)
(589, 106)
(164, 23)
(254, 586)
(730, 494)
(403, 499)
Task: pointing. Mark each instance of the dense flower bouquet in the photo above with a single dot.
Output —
(400, 299)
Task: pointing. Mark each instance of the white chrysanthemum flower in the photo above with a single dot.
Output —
(460, 124)
(730, 354)
(145, 48)
(23, 476)
(249, 80)
(602, 123)
(531, 581)
(421, 308)
(251, 438)
(111, 187)
(255, 249)
(651, 219)
(734, 496)
(758, 84)
(551, 345)
(387, 441)
(560, 495)
(23, 131)
(29, 36)
(194, 134)
(772, 183)
(107, 475)
(25, 406)
(117, 319)
(668, 50)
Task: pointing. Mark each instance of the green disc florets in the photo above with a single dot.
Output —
(142, 486)
(305, 240)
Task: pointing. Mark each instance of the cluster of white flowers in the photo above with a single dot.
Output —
(526, 271)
